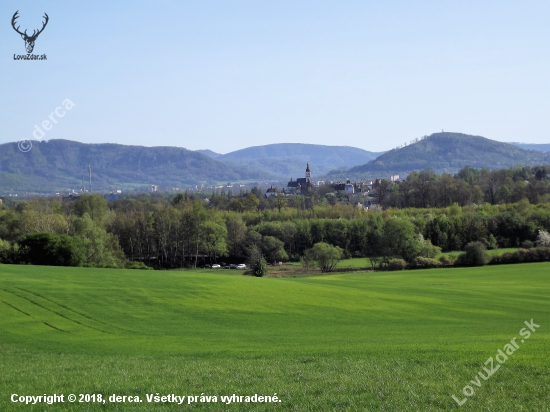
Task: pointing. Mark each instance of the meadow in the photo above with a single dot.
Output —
(405, 340)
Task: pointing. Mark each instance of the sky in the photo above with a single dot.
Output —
(225, 75)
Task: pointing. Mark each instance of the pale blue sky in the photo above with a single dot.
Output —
(224, 75)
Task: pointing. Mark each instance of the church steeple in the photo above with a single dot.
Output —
(308, 174)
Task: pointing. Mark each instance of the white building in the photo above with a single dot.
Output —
(349, 189)
(271, 192)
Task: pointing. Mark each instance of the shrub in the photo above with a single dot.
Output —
(399, 240)
(5, 251)
(273, 249)
(538, 254)
(527, 244)
(475, 255)
(543, 253)
(543, 238)
(326, 256)
(428, 250)
(256, 262)
(492, 242)
(447, 260)
(51, 250)
(425, 263)
(137, 265)
(397, 264)
(308, 260)
(522, 255)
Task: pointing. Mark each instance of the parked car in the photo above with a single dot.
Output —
(223, 264)
(232, 266)
(216, 266)
(207, 266)
(241, 266)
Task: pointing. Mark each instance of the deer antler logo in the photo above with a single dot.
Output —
(29, 40)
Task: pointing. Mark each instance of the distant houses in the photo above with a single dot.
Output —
(348, 188)
(362, 193)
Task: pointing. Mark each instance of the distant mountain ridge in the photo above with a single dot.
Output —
(448, 153)
(539, 147)
(286, 160)
(58, 165)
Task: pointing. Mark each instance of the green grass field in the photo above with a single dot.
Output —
(392, 341)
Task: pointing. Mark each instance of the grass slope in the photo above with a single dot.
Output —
(370, 341)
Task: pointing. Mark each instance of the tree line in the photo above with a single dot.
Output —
(424, 188)
(163, 231)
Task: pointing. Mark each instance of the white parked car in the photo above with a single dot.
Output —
(241, 266)
(216, 266)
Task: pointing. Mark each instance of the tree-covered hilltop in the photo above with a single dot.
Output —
(58, 165)
(448, 153)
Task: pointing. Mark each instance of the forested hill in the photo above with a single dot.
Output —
(449, 152)
(289, 159)
(58, 165)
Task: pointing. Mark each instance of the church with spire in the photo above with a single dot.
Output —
(302, 185)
